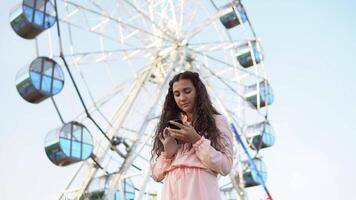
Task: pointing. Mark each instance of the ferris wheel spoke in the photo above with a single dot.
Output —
(232, 89)
(235, 42)
(128, 54)
(216, 45)
(107, 51)
(131, 19)
(210, 18)
(80, 58)
(202, 26)
(106, 20)
(82, 27)
(98, 104)
(158, 12)
(181, 14)
(173, 13)
(111, 19)
(228, 85)
(227, 64)
(188, 16)
(117, 39)
(146, 16)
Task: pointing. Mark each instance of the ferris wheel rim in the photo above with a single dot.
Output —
(163, 35)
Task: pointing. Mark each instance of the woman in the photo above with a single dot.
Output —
(190, 169)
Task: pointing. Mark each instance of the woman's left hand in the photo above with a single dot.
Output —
(186, 132)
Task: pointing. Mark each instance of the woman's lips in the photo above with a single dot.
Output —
(185, 105)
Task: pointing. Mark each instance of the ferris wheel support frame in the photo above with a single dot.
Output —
(132, 154)
(119, 118)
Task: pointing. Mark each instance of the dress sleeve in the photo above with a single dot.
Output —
(218, 161)
(159, 165)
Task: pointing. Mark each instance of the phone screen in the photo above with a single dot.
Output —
(172, 126)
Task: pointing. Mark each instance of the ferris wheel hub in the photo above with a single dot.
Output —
(183, 42)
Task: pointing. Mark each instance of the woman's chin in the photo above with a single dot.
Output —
(187, 110)
(184, 110)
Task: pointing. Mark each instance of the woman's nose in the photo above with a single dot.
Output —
(182, 97)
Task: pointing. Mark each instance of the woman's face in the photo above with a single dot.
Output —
(184, 94)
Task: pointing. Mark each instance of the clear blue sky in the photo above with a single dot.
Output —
(309, 49)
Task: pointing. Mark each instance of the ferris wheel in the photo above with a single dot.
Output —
(105, 65)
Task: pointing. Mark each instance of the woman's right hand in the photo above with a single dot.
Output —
(169, 143)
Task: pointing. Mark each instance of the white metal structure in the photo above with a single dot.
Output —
(122, 54)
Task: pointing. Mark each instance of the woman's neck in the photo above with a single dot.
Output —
(189, 116)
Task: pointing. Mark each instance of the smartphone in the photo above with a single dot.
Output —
(172, 126)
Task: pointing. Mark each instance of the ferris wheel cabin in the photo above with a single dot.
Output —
(259, 95)
(260, 135)
(250, 175)
(42, 79)
(100, 185)
(233, 16)
(32, 17)
(249, 54)
(69, 144)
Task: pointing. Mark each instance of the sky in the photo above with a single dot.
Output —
(309, 51)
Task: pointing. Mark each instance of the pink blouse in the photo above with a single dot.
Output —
(202, 155)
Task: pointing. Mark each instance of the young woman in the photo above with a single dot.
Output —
(189, 159)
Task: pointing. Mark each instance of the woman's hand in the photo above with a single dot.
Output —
(169, 143)
(186, 132)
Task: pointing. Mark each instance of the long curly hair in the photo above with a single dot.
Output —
(203, 113)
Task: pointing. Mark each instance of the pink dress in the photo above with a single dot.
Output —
(192, 174)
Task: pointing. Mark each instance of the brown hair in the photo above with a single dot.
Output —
(203, 113)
